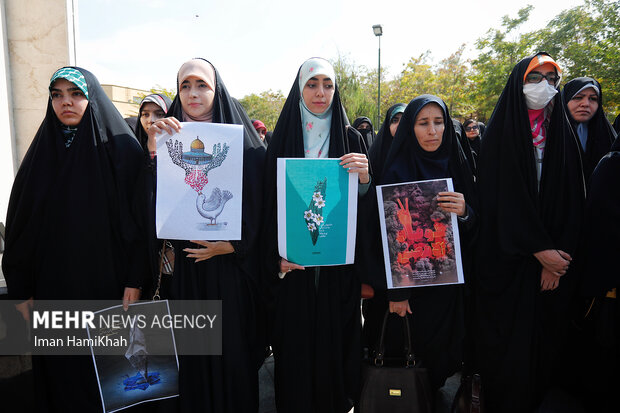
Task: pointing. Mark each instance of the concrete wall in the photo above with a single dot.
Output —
(37, 39)
(7, 144)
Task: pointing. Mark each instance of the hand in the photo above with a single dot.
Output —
(25, 308)
(400, 307)
(169, 125)
(287, 266)
(356, 163)
(452, 202)
(555, 261)
(211, 249)
(130, 296)
(548, 281)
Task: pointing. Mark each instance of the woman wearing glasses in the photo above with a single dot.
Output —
(532, 193)
(471, 145)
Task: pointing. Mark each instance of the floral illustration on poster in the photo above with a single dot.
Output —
(314, 214)
(420, 241)
(199, 190)
(317, 209)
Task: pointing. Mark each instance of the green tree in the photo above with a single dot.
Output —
(500, 50)
(265, 106)
(585, 41)
(354, 93)
(453, 84)
(171, 93)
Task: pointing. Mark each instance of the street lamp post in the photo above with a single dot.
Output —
(378, 31)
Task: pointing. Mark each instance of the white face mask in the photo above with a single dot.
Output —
(538, 95)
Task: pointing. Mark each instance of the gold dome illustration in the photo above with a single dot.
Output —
(197, 145)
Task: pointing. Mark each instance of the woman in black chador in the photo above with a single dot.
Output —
(220, 270)
(379, 149)
(152, 108)
(315, 312)
(426, 147)
(73, 227)
(373, 273)
(531, 189)
(470, 141)
(364, 126)
(600, 282)
(583, 98)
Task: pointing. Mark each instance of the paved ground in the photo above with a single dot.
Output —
(267, 402)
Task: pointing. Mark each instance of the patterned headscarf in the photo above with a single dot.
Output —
(72, 75)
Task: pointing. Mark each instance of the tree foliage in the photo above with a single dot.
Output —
(266, 106)
(356, 88)
(585, 40)
(171, 93)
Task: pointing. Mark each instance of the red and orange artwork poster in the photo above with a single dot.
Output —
(420, 241)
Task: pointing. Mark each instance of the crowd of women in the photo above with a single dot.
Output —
(538, 220)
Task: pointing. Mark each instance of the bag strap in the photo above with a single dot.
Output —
(161, 266)
(409, 356)
(476, 391)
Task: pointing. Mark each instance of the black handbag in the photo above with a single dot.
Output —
(399, 387)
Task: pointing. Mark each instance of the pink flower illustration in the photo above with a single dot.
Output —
(309, 126)
(312, 69)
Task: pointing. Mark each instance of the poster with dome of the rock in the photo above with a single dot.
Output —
(200, 182)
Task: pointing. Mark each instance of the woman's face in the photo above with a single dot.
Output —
(395, 122)
(472, 130)
(428, 127)
(318, 93)
(196, 96)
(583, 105)
(149, 114)
(68, 101)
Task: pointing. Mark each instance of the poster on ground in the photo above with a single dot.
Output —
(317, 212)
(420, 241)
(145, 368)
(199, 182)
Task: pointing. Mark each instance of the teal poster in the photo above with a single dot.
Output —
(317, 212)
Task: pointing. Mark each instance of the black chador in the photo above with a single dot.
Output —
(597, 133)
(521, 327)
(73, 228)
(315, 313)
(226, 383)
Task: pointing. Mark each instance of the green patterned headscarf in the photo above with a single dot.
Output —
(72, 75)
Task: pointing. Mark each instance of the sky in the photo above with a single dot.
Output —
(259, 45)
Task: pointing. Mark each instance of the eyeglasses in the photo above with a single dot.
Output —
(471, 128)
(537, 77)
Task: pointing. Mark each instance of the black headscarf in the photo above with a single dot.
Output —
(379, 149)
(617, 124)
(407, 161)
(437, 309)
(530, 219)
(600, 133)
(470, 146)
(71, 230)
(160, 100)
(368, 135)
